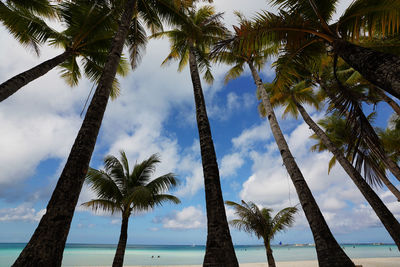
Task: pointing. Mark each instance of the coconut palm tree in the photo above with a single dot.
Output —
(46, 246)
(190, 42)
(391, 138)
(24, 20)
(235, 52)
(293, 99)
(301, 24)
(125, 191)
(89, 31)
(261, 223)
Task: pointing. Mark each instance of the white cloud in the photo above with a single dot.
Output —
(230, 163)
(188, 218)
(23, 212)
(270, 186)
(250, 136)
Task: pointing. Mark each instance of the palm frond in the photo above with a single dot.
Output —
(103, 204)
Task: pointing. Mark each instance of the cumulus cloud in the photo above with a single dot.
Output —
(230, 163)
(249, 137)
(343, 206)
(188, 218)
(23, 212)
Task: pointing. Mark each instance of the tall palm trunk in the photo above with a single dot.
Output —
(329, 252)
(381, 69)
(270, 256)
(120, 253)
(384, 214)
(13, 84)
(219, 247)
(390, 101)
(46, 246)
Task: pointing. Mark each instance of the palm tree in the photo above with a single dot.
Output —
(391, 138)
(233, 51)
(190, 42)
(261, 223)
(89, 31)
(302, 92)
(46, 246)
(302, 24)
(124, 191)
(23, 19)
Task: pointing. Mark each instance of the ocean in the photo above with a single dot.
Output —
(95, 255)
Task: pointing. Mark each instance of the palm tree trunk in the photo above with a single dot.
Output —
(390, 101)
(381, 69)
(384, 214)
(219, 248)
(270, 257)
(46, 246)
(12, 85)
(329, 252)
(120, 253)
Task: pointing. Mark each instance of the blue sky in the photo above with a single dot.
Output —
(155, 114)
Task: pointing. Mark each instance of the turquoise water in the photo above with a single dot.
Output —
(95, 255)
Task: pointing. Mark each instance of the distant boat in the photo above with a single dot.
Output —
(193, 245)
(299, 245)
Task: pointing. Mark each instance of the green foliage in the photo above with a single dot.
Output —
(197, 30)
(260, 222)
(120, 190)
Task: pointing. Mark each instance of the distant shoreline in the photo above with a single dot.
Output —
(365, 262)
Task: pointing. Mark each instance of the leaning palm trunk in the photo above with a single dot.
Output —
(381, 69)
(13, 84)
(120, 253)
(219, 248)
(46, 246)
(390, 101)
(270, 256)
(329, 252)
(384, 214)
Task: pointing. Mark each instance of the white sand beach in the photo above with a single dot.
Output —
(364, 262)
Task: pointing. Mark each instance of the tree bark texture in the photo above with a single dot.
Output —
(12, 85)
(46, 246)
(381, 69)
(120, 253)
(270, 256)
(384, 214)
(393, 104)
(219, 248)
(329, 252)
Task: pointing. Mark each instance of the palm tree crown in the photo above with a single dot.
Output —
(120, 190)
(260, 222)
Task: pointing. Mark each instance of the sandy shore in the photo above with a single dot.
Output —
(365, 262)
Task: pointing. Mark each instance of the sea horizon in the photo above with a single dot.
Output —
(86, 254)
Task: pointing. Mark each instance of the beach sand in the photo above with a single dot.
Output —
(365, 262)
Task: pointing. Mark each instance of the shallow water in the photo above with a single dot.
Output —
(92, 254)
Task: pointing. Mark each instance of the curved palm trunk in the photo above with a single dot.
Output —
(381, 69)
(46, 246)
(12, 85)
(270, 257)
(390, 101)
(219, 248)
(384, 214)
(120, 253)
(329, 252)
